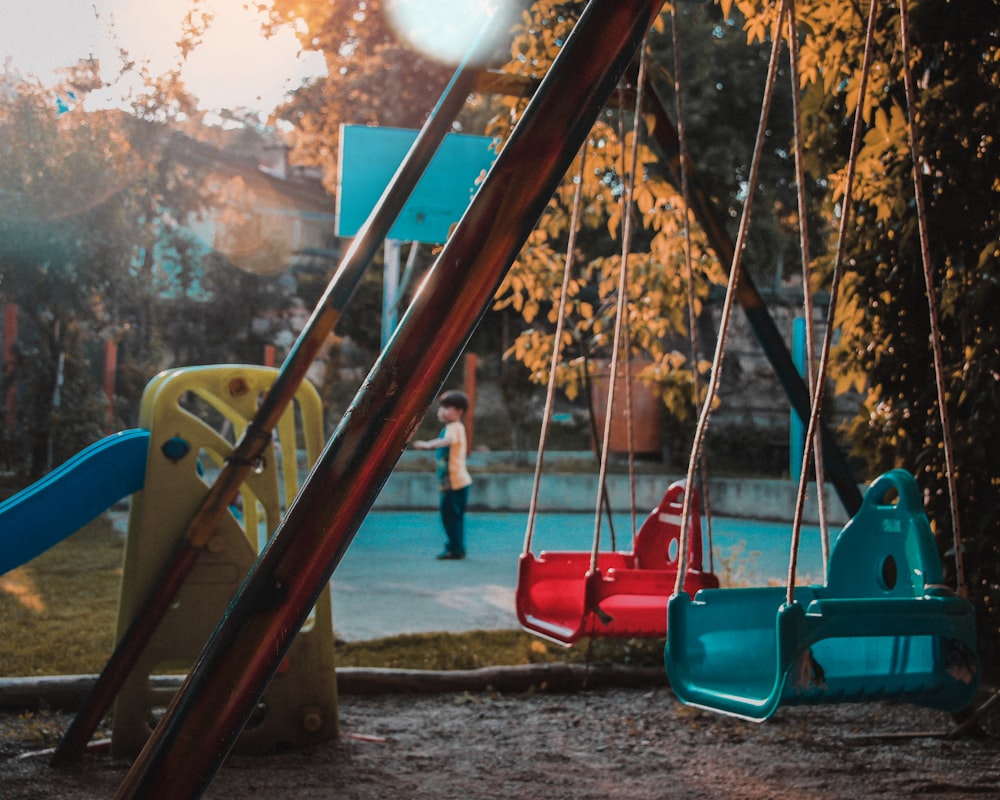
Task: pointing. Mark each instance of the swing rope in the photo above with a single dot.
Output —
(807, 299)
(727, 308)
(933, 312)
(627, 221)
(838, 270)
(864, 659)
(917, 161)
(626, 218)
(629, 422)
(689, 273)
(621, 307)
(550, 391)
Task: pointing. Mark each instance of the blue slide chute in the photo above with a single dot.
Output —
(80, 489)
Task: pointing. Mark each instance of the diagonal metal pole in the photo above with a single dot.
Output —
(258, 433)
(219, 695)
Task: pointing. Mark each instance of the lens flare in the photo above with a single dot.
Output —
(445, 29)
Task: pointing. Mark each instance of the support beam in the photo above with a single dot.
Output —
(258, 433)
(219, 696)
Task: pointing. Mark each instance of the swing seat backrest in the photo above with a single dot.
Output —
(657, 544)
(887, 549)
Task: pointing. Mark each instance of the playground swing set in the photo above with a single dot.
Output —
(881, 626)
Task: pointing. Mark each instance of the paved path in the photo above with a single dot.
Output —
(389, 582)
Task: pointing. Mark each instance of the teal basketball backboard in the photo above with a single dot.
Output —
(370, 156)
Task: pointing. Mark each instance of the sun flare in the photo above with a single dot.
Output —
(19, 584)
(445, 29)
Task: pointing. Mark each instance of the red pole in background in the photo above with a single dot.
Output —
(110, 372)
(268, 355)
(471, 363)
(9, 340)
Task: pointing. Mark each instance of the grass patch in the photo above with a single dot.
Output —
(58, 612)
(477, 649)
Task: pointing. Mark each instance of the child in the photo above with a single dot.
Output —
(452, 473)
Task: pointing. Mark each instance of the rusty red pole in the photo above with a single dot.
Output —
(9, 342)
(211, 708)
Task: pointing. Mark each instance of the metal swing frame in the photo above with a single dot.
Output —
(883, 626)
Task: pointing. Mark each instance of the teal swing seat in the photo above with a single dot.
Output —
(881, 628)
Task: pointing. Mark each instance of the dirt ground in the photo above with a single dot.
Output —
(614, 743)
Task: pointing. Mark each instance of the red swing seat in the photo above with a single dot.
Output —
(561, 599)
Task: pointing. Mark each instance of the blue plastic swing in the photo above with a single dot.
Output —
(882, 628)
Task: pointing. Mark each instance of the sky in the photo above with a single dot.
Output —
(233, 67)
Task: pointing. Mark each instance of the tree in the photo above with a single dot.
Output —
(373, 78)
(884, 349)
(723, 79)
(95, 244)
(63, 184)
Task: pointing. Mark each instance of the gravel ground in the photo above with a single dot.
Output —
(613, 743)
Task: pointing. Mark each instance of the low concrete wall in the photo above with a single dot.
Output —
(511, 491)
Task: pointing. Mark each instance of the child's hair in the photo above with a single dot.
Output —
(455, 399)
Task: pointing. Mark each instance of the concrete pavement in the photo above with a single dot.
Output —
(389, 581)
